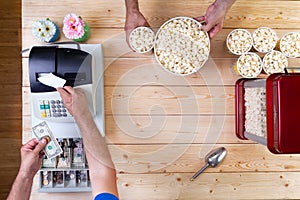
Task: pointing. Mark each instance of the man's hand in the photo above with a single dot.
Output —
(31, 155)
(74, 100)
(214, 16)
(134, 19)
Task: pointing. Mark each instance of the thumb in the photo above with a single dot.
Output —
(207, 27)
(200, 19)
(40, 146)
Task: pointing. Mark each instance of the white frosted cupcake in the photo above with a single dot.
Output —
(45, 30)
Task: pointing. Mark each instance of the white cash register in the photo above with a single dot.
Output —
(82, 67)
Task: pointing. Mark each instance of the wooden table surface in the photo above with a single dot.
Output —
(160, 126)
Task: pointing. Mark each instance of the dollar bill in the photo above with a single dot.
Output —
(52, 149)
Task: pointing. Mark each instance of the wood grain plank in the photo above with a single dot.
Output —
(7, 34)
(210, 186)
(163, 130)
(162, 100)
(170, 129)
(10, 101)
(9, 52)
(283, 14)
(189, 157)
(11, 129)
(11, 71)
(10, 93)
(145, 71)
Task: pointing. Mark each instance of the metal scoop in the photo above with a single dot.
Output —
(212, 159)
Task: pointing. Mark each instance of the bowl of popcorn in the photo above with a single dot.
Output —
(181, 47)
(239, 41)
(249, 65)
(141, 39)
(274, 62)
(264, 39)
(290, 45)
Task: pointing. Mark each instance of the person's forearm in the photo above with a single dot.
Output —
(225, 3)
(21, 188)
(101, 167)
(93, 139)
(131, 6)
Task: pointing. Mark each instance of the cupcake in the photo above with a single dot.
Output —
(75, 28)
(45, 30)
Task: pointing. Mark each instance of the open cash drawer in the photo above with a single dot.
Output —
(267, 112)
(67, 172)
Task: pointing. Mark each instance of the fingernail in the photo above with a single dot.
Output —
(43, 140)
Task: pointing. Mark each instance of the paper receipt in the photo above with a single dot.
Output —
(52, 80)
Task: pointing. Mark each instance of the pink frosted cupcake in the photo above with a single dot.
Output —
(75, 28)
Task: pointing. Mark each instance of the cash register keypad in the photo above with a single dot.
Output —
(53, 108)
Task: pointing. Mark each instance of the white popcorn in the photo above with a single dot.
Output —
(239, 41)
(181, 47)
(290, 45)
(142, 39)
(249, 65)
(264, 39)
(274, 62)
(255, 111)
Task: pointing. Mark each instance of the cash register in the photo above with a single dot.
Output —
(81, 66)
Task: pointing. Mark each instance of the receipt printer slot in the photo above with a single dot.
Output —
(73, 65)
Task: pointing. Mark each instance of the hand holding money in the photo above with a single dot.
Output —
(31, 154)
(42, 131)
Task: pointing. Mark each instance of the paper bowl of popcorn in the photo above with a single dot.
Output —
(264, 39)
(181, 47)
(141, 39)
(290, 45)
(249, 65)
(239, 41)
(274, 62)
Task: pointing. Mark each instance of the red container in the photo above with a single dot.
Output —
(282, 111)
